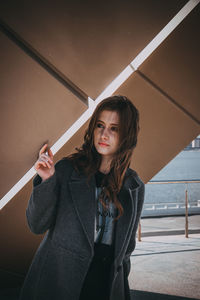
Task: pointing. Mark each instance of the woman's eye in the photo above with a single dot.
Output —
(99, 125)
(114, 129)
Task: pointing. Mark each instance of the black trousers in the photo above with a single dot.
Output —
(96, 285)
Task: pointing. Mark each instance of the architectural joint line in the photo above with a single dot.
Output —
(168, 97)
(43, 62)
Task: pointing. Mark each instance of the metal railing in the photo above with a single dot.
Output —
(184, 206)
(169, 205)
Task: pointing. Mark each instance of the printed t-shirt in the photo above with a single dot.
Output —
(104, 221)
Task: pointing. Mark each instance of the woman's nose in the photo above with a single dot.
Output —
(105, 133)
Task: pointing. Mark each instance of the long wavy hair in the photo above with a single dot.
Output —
(88, 160)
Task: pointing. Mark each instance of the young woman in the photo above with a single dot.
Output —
(90, 205)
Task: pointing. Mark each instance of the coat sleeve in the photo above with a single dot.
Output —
(41, 209)
(132, 242)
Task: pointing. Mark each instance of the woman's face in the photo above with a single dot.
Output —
(106, 133)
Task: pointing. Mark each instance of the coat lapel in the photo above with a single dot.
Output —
(128, 201)
(83, 196)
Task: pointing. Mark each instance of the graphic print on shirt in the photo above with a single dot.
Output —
(104, 222)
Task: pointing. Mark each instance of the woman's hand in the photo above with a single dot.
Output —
(44, 165)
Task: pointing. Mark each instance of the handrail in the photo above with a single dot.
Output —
(172, 181)
(186, 204)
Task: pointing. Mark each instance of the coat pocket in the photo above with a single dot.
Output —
(62, 274)
(73, 252)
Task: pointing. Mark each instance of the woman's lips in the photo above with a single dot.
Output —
(103, 144)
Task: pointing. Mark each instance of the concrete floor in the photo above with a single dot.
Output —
(169, 225)
(167, 264)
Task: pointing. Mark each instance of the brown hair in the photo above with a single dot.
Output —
(87, 159)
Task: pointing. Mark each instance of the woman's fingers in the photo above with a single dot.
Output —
(44, 166)
(45, 158)
(48, 164)
(39, 164)
(50, 154)
(43, 149)
(44, 161)
(46, 151)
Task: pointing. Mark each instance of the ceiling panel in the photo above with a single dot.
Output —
(174, 66)
(165, 128)
(34, 108)
(90, 42)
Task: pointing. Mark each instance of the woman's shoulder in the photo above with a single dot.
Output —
(132, 175)
(64, 165)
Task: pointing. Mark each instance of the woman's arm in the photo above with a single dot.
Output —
(41, 210)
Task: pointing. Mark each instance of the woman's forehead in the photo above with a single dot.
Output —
(109, 116)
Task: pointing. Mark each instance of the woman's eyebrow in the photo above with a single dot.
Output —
(113, 124)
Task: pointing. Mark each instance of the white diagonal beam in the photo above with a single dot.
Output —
(110, 89)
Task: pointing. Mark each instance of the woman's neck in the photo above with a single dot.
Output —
(105, 165)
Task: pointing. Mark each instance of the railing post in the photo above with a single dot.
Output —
(186, 214)
(139, 232)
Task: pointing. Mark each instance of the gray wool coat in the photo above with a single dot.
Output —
(64, 206)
